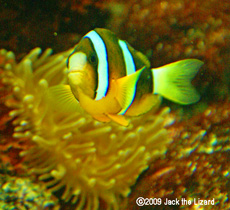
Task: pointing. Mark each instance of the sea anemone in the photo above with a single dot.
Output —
(22, 193)
(91, 163)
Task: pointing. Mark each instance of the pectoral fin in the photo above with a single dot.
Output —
(63, 99)
(126, 89)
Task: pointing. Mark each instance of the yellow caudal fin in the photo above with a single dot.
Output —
(173, 81)
(126, 89)
(63, 99)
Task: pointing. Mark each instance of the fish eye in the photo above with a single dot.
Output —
(93, 59)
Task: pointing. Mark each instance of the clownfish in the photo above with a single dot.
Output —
(109, 79)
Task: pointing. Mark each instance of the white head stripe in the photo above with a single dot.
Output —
(102, 69)
(129, 62)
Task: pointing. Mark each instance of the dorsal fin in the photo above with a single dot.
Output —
(139, 58)
(143, 58)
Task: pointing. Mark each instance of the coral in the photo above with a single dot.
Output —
(196, 164)
(22, 193)
(172, 30)
(91, 163)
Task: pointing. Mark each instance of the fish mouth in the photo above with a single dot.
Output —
(76, 77)
(75, 71)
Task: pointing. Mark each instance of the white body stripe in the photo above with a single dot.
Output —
(103, 68)
(129, 62)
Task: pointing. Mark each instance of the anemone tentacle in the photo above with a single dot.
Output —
(92, 161)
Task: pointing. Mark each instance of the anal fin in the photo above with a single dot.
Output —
(120, 119)
(101, 118)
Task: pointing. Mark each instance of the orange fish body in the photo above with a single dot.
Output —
(110, 79)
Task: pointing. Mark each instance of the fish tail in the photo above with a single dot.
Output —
(173, 81)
